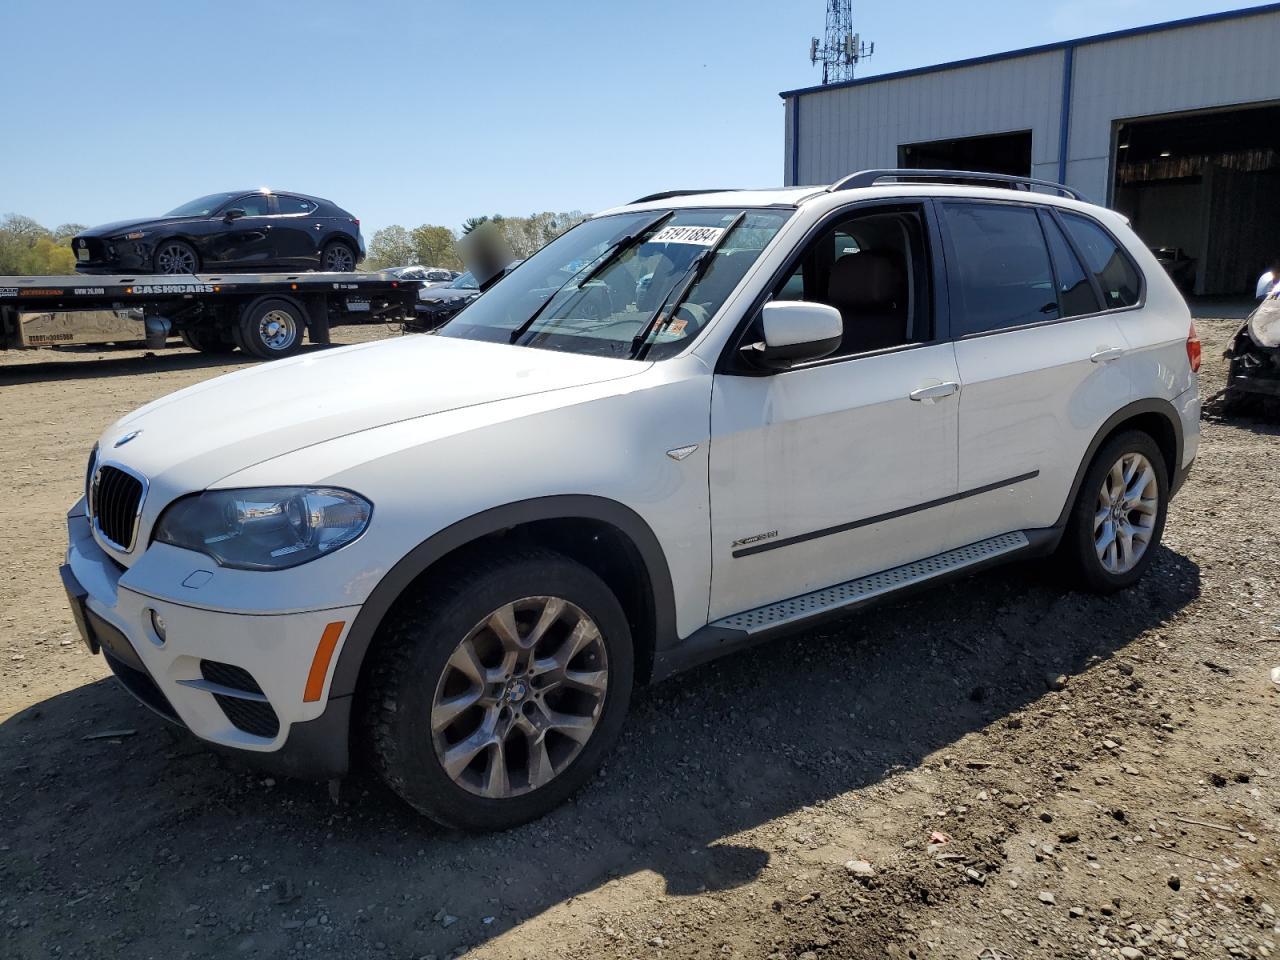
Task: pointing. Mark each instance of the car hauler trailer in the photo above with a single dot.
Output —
(262, 314)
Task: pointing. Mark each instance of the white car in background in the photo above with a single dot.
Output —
(466, 550)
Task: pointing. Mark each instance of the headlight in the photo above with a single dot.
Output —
(135, 235)
(265, 528)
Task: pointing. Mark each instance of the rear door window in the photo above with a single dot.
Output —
(1117, 276)
(1075, 292)
(294, 205)
(998, 267)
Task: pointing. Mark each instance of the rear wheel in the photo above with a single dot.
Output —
(1119, 514)
(337, 257)
(175, 256)
(206, 341)
(271, 329)
(495, 696)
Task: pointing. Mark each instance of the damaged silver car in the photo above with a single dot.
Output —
(1255, 349)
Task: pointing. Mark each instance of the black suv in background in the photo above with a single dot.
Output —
(252, 230)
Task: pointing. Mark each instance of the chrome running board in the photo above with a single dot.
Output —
(854, 592)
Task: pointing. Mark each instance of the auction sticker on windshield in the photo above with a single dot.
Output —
(695, 236)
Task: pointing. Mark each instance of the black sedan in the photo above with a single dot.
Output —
(439, 303)
(239, 230)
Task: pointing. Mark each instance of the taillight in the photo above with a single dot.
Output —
(1193, 348)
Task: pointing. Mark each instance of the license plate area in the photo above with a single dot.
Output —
(82, 253)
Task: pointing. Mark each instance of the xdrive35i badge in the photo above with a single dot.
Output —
(126, 438)
(756, 538)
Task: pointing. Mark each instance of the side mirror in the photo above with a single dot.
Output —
(235, 213)
(1265, 283)
(795, 332)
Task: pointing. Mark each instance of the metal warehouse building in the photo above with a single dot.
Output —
(1176, 125)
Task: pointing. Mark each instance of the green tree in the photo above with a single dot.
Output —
(435, 246)
(64, 232)
(390, 247)
(27, 248)
(471, 223)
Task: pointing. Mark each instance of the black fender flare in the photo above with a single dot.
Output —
(1136, 409)
(346, 673)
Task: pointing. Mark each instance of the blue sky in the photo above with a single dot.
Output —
(430, 112)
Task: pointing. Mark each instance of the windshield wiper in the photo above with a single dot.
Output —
(672, 302)
(592, 269)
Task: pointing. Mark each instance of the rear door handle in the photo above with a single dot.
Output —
(934, 391)
(1107, 354)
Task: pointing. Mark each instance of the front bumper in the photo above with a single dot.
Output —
(238, 681)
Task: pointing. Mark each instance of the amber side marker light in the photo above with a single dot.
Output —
(320, 662)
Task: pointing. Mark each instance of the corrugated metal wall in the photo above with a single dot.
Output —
(1220, 63)
(854, 128)
(1209, 65)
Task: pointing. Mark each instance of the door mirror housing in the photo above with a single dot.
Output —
(795, 331)
(235, 213)
(1265, 283)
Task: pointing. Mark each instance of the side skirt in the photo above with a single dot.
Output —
(745, 629)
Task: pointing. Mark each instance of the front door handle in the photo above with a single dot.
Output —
(934, 391)
(1107, 354)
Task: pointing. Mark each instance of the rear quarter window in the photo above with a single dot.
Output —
(1119, 279)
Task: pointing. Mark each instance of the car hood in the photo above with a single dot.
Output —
(124, 226)
(193, 438)
(448, 293)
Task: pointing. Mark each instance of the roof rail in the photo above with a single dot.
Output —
(869, 178)
(668, 194)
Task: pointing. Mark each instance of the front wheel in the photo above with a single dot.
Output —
(1119, 513)
(175, 256)
(271, 329)
(495, 696)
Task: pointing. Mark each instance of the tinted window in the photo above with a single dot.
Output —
(294, 205)
(998, 266)
(873, 269)
(1121, 285)
(254, 205)
(1075, 292)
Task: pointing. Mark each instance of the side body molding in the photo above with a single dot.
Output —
(568, 507)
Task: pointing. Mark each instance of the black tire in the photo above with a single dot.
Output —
(337, 257)
(1079, 550)
(206, 341)
(271, 329)
(411, 661)
(175, 257)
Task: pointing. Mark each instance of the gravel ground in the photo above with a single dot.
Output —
(997, 770)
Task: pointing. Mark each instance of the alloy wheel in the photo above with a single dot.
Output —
(520, 697)
(277, 330)
(1125, 514)
(338, 259)
(176, 258)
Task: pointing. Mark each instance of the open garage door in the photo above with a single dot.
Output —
(1203, 190)
(1008, 153)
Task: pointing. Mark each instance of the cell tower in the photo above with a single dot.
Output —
(842, 49)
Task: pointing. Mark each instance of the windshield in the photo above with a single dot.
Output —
(466, 282)
(202, 207)
(613, 286)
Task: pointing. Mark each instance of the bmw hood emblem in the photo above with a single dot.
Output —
(126, 438)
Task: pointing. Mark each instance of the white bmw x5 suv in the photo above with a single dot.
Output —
(686, 425)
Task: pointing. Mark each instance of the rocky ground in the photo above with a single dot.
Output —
(998, 769)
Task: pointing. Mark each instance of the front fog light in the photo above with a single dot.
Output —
(157, 624)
